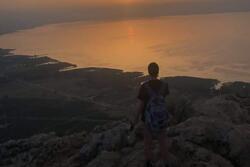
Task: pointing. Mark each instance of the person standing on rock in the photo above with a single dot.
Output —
(153, 112)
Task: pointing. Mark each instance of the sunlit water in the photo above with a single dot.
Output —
(213, 46)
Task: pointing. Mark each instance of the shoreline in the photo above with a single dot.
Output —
(70, 66)
(77, 98)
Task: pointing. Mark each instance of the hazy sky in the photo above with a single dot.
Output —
(29, 4)
(20, 14)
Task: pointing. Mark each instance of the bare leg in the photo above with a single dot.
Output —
(163, 147)
(148, 141)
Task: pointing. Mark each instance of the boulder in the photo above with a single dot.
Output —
(105, 159)
(221, 138)
(112, 139)
(220, 107)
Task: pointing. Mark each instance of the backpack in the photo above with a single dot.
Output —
(156, 114)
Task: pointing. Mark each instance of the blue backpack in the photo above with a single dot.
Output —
(156, 114)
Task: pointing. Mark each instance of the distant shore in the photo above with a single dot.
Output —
(68, 101)
(70, 66)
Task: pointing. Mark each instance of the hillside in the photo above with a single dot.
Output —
(216, 133)
(50, 116)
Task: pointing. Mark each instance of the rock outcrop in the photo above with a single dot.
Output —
(215, 134)
(226, 108)
(41, 150)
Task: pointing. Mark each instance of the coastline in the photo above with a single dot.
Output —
(44, 93)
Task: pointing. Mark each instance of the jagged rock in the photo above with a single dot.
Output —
(105, 159)
(222, 138)
(89, 151)
(224, 109)
(239, 143)
(180, 108)
(203, 139)
(133, 159)
(110, 140)
(40, 150)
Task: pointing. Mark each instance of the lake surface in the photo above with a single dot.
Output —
(213, 45)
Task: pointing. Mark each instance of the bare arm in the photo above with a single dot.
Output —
(140, 107)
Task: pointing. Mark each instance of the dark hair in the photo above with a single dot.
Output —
(153, 69)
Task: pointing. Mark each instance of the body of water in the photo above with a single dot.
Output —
(211, 46)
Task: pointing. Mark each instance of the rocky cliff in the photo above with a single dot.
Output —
(214, 133)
